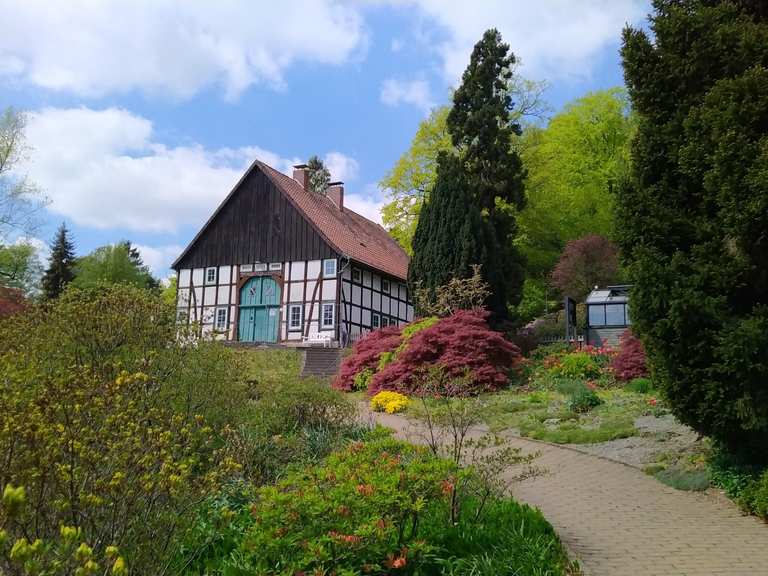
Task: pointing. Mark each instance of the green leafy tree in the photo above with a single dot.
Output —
(486, 180)
(694, 214)
(413, 176)
(19, 267)
(114, 264)
(61, 269)
(319, 175)
(573, 166)
(169, 292)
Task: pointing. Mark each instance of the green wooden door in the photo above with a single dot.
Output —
(259, 310)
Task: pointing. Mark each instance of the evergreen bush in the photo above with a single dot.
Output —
(693, 214)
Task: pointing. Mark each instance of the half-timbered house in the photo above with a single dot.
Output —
(277, 262)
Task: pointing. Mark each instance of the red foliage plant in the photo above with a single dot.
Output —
(587, 262)
(12, 301)
(463, 346)
(365, 355)
(629, 363)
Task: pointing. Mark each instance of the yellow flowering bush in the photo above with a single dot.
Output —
(101, 437)
(389, 402)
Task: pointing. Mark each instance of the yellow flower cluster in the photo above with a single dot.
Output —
(389, 402)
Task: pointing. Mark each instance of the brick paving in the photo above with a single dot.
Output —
(616, 521)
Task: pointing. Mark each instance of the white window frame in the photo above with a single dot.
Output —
(208, 271)
(260, 267)
(326, 273)
(220, 324)
(276, 266)
(246, 267)
(375, 320)
(384, 321)
(291, 326)
(323, 324)
(386, 290)
(359, 273)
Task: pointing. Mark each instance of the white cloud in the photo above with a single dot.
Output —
(368, 203)
(341, 166)
(104, 169)
(159, 258)
(416, 92)
(553, 38)
(174, 48)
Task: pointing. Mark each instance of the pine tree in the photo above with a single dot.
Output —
(60, 271)
(319, 176)
(692, 218)
(487, 180)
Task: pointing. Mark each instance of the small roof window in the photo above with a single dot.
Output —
(609, 295)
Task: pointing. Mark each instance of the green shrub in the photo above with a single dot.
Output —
(379, 507)
(640, 385)
(569, 386)
(576, 365)
(294, 422)
(754, 497)
(583, 400)
(680, 479)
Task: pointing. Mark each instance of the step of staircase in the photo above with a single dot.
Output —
(322, 362)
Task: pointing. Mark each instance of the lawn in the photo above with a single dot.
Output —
(545, 415)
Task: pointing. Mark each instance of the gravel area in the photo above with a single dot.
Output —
(658, 437)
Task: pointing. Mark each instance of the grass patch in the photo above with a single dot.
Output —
(545, 415)
(271, 366)
(680, 479)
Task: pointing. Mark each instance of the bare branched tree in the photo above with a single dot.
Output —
(20, 200)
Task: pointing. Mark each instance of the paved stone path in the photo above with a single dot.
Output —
(615, 520)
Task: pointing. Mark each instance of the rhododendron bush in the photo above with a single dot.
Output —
(629, 363)
(462, 345)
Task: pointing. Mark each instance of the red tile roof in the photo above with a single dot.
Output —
(348, 232)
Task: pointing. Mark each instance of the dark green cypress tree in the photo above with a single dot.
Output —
(449, 235)
(692, 220)
(487, 180)
(60, 271)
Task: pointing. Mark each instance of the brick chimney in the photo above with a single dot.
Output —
(301, 175)
(335, 192)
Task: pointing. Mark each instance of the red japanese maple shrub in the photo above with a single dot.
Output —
(629, 362)
(365, 356)
(463, 346)
(12, 301)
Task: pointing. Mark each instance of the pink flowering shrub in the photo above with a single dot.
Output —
(629, 362)
(463, 346)
(364, 359)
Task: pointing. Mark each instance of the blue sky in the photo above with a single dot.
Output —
(143, 114)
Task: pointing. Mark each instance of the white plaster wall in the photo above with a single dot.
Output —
(297, 270)
(197, 276)
(313, 269)
(329, 290)
(184, 275)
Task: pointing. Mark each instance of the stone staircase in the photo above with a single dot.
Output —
(322, 362)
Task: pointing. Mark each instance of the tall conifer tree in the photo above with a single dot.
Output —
(486, 180)
(692, 219)
(60, 271)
